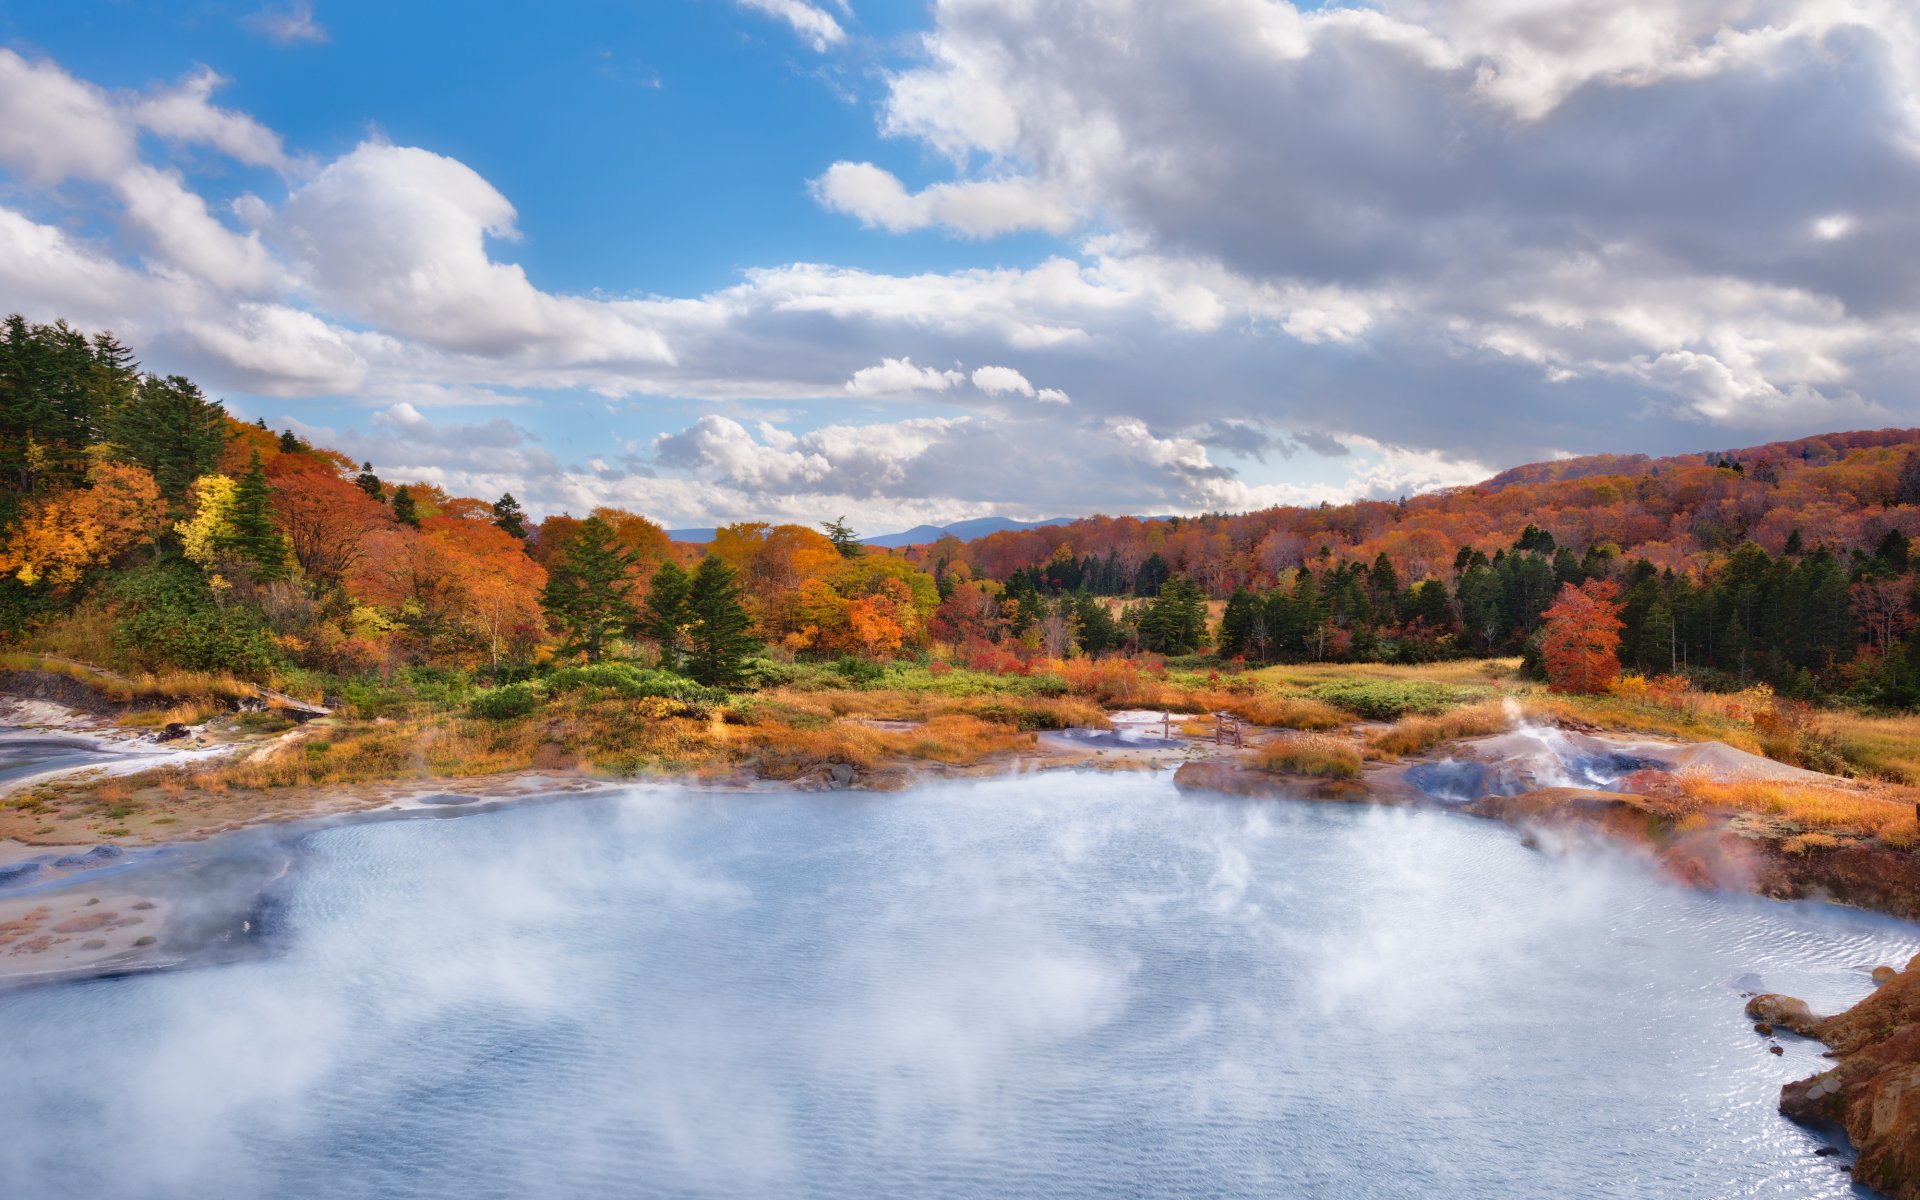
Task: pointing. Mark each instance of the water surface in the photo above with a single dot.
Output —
(1063, 985)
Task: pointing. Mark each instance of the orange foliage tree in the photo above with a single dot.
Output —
(327, 520)
(63, 535)
(1580, 640)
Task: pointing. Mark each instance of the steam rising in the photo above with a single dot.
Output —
(1065, 984)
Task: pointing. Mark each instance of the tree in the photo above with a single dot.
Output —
(405, 509)
(326, 518)
(509, 517)
(1099, 632)
(1175, 621)
(252, 535)
(369, 483)
(717, 630)
(62, 536)
(1580, 638)
(844, 539)
(290, 443)
(172, 431)
(1907, 486)
(588, 591)
(665, 616)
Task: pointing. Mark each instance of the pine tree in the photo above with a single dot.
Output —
(404, 509)
(254, 536)
(587, 591)
(1175, 622)
(509, 517)
(665, 616)
(844, 539)
(1099, 632)
(170, 428)
(369, 483)
(291, 444)
(718, 630)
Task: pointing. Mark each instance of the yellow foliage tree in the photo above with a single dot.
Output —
(210, 501)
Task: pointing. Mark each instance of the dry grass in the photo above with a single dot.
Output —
(1313, 754)
(164, 685)
(1462, 672)
(1417, 735)
(1885, 746)
(1880, 811)
(1285, 712)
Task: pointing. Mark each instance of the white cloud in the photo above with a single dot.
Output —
(288, 24)
(894, 376)
(812, 23)
(184, 113)
(980, 208)
(998, 381)
(1052, 396)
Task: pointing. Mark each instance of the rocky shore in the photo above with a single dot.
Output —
(1872, 1093)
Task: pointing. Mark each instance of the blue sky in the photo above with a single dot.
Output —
(720, 259)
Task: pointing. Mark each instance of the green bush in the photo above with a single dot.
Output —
(631, 682)
(861, 672)
(1388, 699)
(169, 617)
(505, 703)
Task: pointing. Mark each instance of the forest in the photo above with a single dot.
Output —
(145, 529)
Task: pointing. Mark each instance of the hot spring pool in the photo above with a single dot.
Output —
(1057, 985)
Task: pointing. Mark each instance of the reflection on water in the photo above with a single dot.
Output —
(1061, 985)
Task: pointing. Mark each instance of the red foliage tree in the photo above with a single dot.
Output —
(1580, 640)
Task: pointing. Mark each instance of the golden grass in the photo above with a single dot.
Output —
(1286, 712)
(1417, 735)
(1886, 746)
(1881, 811)
(1460, 672)
(1313, 754)
(146, 685)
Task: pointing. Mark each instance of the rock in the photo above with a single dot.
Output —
(18, 872)
(840, 775)
(1787, 1012)
(1873, 1093)
(99, 856)
(1881, 975)
(1763, 1029)
(1775, 1050)
(172, 733)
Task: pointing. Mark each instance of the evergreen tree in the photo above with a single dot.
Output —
(404, 509)
(170, 428)
(720, 643)
(509, 517)
(291, 444)
(1237, 621)
(1099, 632)
(1175, 622)
(665, 616)
(255, 537)
(587, 593)
(844, 539)
(1151, 575)
(369, 483)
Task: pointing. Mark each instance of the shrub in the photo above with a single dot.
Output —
(168, 617)
(630, 682)
(1387, 699)
(505, 703)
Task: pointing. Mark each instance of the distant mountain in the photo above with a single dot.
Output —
(919, 535)
(966, 531)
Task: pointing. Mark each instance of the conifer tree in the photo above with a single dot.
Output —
(291, 443)
(1175, 622)
(588, 593)
(404, 509)
(665, 616)
(844, 539)
(254, 536)
(170, 428)
(369, 483)
(718, 627)
(509, 517)
(1099, 632)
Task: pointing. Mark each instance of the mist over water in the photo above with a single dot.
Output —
(1057, 985)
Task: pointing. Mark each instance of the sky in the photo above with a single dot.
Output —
(718, 260)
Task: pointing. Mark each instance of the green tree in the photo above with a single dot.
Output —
(404, 509)
(1175, 621)
(170, 428)
(844, 539)
(1098, 631)
(255, 538)
(717, 632)
(665, 616)
(369, 483)
(588, 593)
(509, 517)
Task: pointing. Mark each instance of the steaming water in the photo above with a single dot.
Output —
(1060, 985)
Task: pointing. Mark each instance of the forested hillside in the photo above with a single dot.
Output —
(147, 529)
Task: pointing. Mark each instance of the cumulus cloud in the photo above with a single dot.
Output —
(814, 24)
(980, 208)
(893, 376)
(996, 381)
